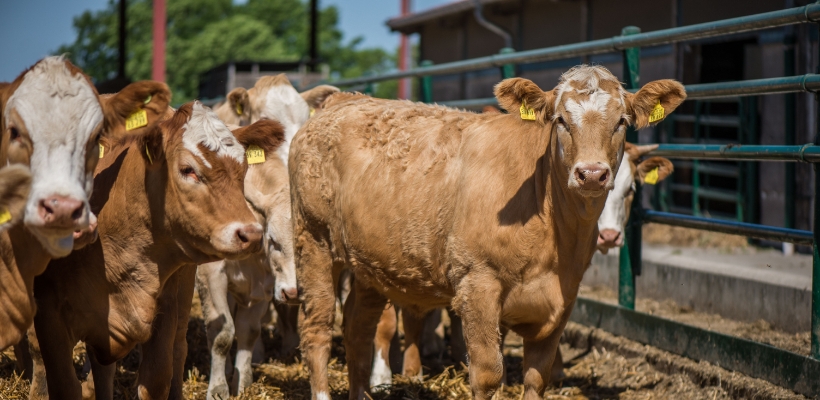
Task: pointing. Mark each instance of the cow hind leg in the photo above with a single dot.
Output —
(287, 323)
(219, 326)
(101, 384)
(184, 297)
(385, 330)
(248, 322)
(413, 328)
(314, 267)
(362, 310)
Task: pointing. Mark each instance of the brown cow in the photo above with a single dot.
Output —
(495, 215)
(166, 201)
(52, 120)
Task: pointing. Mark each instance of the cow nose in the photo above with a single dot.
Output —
(609, 237)
(290, 295)
(249, 235)
(61, 211)
(592, 176)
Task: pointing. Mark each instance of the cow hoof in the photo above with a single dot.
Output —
(219, 392)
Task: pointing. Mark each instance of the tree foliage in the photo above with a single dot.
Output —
(202, 34)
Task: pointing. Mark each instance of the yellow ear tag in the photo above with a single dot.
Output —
(255, 154)
(651, 176)
(527, 113)
(312, 111)
(136, 120)
(102, 151)
(657, 113)
(239, 109)
(5, 216)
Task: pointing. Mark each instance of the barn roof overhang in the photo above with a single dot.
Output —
(412, 23)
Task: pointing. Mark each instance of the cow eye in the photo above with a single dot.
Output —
(563, 123)
(621, 122)
(14, 133)
(188, 172)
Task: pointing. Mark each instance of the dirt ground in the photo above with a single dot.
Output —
(591, 373)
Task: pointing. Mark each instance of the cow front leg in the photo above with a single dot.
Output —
(363, 308)
(101, 382)
(248, 322)
(315, 270)
(186, 285)
(478, 300)
(385, 330)
(157, 366)
(539, 356)
(55, 351)
(39, 385)
(287, 323)
(413, 327)
(219, 326)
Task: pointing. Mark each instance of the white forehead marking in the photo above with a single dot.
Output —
(205, 128)
(284, 104)
(596, 102)
(591, 76)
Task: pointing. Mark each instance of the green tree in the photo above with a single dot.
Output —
(202, 34)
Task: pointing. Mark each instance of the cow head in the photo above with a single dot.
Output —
(273, 97)
(588, 113)
(202, 166)
(52, 120)
(613, 219)
(268, 191)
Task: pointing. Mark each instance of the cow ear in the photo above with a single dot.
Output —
(15, 182)
(239, 101)
(654, 102)
(128, 105)
(662, 167)
(514, 93)
(316, 96)
(266, 134)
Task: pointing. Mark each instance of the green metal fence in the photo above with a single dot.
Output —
(799, 373)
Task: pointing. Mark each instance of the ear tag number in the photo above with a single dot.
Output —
(239, 109)
(255, 154)
(527, 114)
(657, 113)
(102, 151)
(5, 216)
(136, 120)
(651, 176)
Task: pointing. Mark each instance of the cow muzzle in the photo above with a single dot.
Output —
(592, 179)
(609, 238)
(237, 240)
(53, 219)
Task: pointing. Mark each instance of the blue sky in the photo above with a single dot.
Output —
(32, 29)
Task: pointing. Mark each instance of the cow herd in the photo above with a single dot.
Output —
(116, 208)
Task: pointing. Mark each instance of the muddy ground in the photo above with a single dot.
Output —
(592, 372)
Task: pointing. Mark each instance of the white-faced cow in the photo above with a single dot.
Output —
(273, 97)
(494, 215)
(166, 201)
(51, 120)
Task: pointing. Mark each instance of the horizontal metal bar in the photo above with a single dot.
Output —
(807, 153)
(751, 87)
(758, 360)
(711, 120)
(791, 16)
(706, 193)
(731, 227)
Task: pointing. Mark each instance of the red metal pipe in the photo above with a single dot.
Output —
(404, 84)
(158, 65)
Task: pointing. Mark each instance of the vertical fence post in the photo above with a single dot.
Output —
(815, 272)
(507, 70)
(629, 258)
(426, 84)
